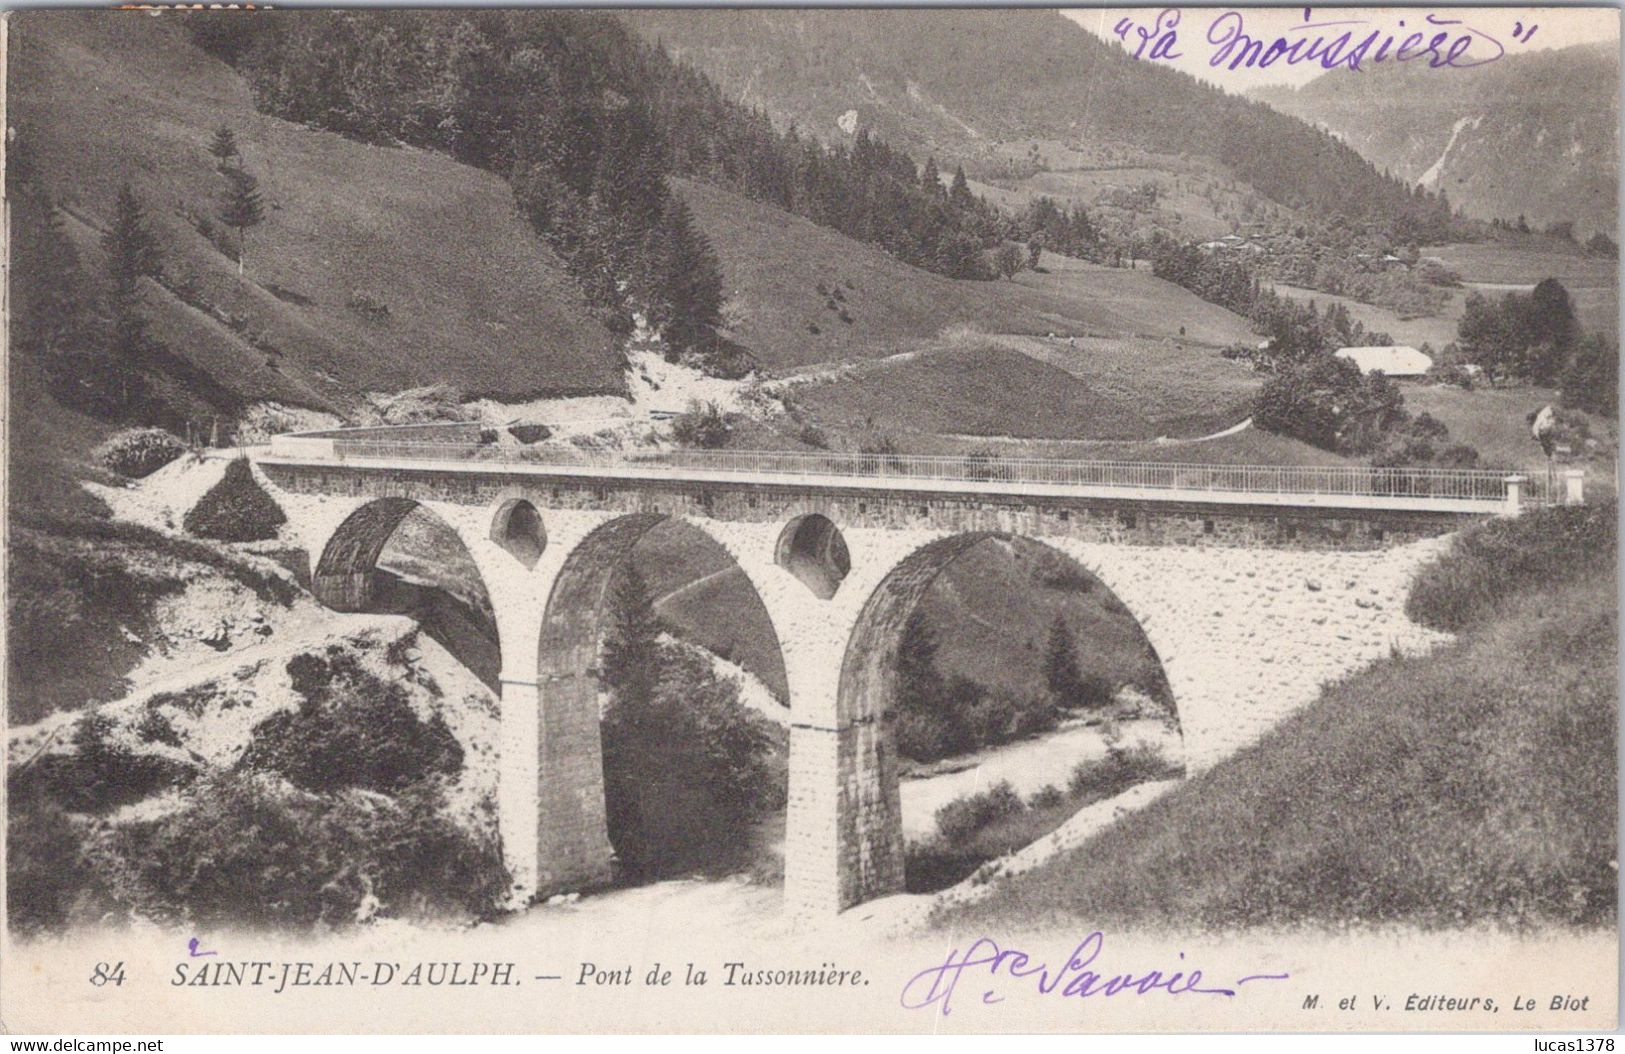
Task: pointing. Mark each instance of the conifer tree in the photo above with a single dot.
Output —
(689, 280)
(132, 254)
(132, 251)
(959, 193)
(242, 209)
(930, 178)
(1061, 672)
(224, 146)
(630, 663)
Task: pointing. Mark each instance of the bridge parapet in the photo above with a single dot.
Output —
(1469, 491)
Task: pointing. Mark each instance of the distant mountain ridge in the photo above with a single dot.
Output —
(1534, 134)
(959, 83)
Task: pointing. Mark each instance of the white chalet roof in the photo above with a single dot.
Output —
(1395, 360)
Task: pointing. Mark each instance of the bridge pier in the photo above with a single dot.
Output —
(567, 793)
(843, 841)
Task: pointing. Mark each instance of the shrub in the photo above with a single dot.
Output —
(249, 849)
(701, 425)
(1459, 455)
(236, 509)
(350, 730)
(1404, 454)
(687, 771)
(924, 736)
(368, 307)
(1064, 576)
(100, 775)
(155, 728)
(1046, 797)
(1425, 426)
(530, 433)
(963, 817)
(1496, 560)
(1000, 716)
(813, 436)
(1121, 769)
(877, 442)
(1435, 273)
(136, 453)
(45, 866)
(981, 827)
(1455, 373)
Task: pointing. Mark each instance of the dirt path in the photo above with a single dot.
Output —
(695, 584)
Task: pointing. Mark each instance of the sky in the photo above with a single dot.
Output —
(1554, 28)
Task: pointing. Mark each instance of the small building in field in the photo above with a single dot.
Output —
(1395, 360)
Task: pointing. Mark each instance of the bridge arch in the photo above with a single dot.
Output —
(869, 822)
(517, 527)
(573, 837)
(813, 549)
(369, 564)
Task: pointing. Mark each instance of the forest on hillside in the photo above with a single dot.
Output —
(586, 122)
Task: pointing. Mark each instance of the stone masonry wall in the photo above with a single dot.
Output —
(1128, 522)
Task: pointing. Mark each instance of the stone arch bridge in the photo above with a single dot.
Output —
(1254, 585)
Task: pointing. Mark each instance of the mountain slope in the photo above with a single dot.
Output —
(373, 269)
(796, 293)
(963, 84)
(1534, 134)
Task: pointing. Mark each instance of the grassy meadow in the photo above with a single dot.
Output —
(797, 294)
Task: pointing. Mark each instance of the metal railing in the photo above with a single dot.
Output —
(1479, 485)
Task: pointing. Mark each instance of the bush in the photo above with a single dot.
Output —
(1046, 797)
(1496, 560)
(1455, 373)
(935, 718)
(688, 769)
(530, 433)
(1425, 426)
(813, 436)
(236, 509)
(1000, 716)
(1404, 453)
(249, 849)
(136, 453)
(963, 817)
(45, 865)
(1460, 455)
(702, 425)
(924, 736)
(100, 775)
(368, 307)
(156, 728)
(350, 730)
(1121, 769)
